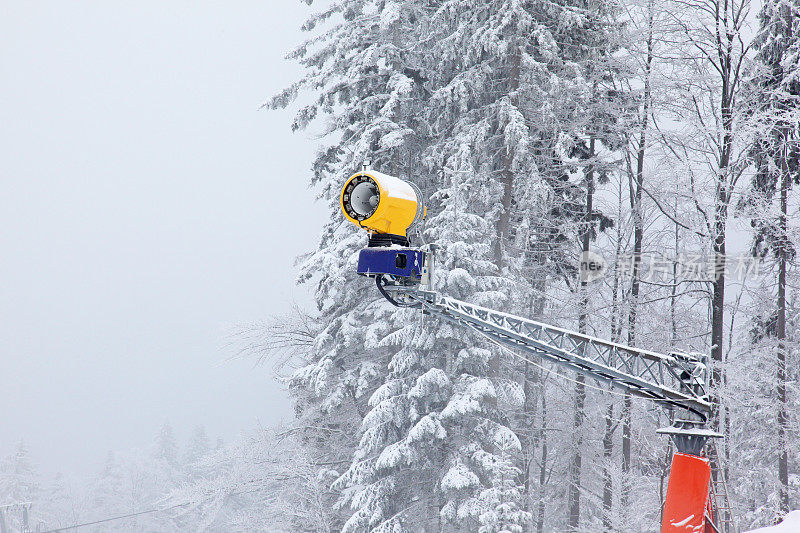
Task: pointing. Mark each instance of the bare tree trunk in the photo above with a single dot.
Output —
(574, 495)
(673, 297)
(526, 440)
(574, 489)
(638, 238)
(626, 453)
(783, 454)
(718, 297)
(721, 201)
(608, 433)
(529, 442)
(673, 316)
(608, 450)
(783, 420)
(542, 468)
(664, 474)
(507, 179)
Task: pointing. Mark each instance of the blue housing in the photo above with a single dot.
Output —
(401, 262)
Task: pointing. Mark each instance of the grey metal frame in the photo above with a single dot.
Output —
(677, 380)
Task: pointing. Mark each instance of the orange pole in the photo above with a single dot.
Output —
(687, 495)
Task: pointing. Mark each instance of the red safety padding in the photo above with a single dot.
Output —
(687, 495)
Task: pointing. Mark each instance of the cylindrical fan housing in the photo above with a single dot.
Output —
(380, 203)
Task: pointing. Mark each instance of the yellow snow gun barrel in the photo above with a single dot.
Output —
(383, 205)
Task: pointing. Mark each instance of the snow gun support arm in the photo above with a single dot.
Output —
(676, 381)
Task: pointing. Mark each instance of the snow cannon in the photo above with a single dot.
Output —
(386, 207)
(383, 205)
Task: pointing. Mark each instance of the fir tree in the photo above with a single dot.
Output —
(18, 478)
(197, 447)
(363, 65)
(776, 155)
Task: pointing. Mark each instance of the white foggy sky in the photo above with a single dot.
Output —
(146, 206)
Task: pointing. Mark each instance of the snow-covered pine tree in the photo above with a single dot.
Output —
(18, 478)
(263, 481)
(166, 447)
(52, 503)
(108, 492)
(59, 505)
(62, 503)
(137, 480)
(364, 46)
(754, 447)
(469, 100)
(512, 76)
(19, 484)
(496, 131)
(362, 64)
(197, 447)
(775, 96)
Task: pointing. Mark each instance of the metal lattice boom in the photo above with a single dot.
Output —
(675, 380)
